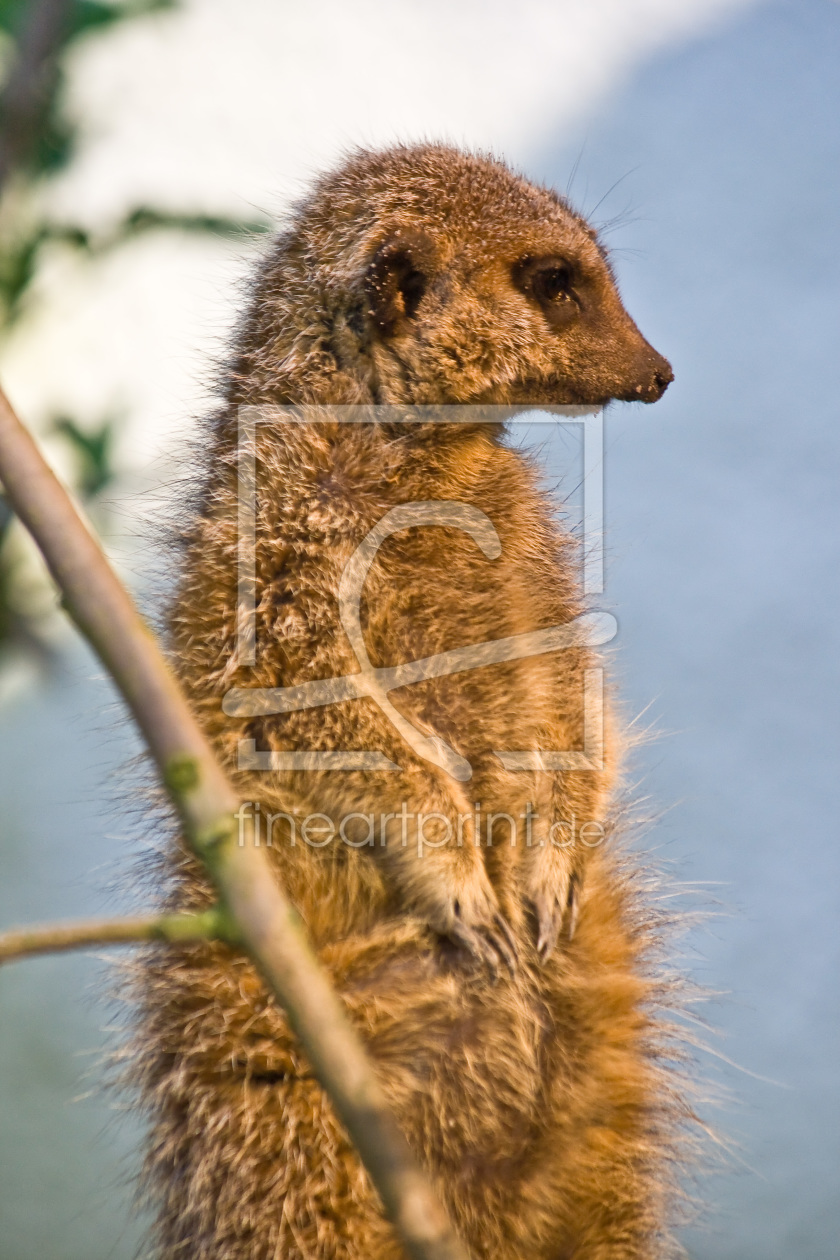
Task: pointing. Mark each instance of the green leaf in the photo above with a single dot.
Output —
(93, 452)
(147, 219)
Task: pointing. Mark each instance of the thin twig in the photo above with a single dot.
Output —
(53, 938)
(270, 929)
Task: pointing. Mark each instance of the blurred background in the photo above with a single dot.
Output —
(145, 149)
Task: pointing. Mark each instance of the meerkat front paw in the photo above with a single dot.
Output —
(461, 905)
(553, 889)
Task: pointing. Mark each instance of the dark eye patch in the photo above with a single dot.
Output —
(550, 283)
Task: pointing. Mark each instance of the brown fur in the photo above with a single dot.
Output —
(536, 1100)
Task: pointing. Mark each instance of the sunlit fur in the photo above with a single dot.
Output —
(541, 1103)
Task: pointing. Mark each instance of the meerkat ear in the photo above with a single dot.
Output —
(396, 279)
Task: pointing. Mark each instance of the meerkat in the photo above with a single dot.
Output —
(496, 966)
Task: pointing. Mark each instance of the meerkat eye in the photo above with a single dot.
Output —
(553, 284)
(550, 282)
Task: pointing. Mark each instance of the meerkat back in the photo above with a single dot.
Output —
(414, 613)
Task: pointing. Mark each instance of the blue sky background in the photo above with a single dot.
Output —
(724, 543)
(723, 540)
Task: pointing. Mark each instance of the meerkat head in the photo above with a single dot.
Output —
(422, 274)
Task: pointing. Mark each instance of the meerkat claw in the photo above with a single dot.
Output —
(551, 918)
(506, 946)
(573, 903)
(488, 945)
(476, 944)
(549, 922)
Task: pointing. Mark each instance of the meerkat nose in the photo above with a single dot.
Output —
(656, 375)
(662, 376)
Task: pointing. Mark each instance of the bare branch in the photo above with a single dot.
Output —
(53, 938)
(270, 928)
